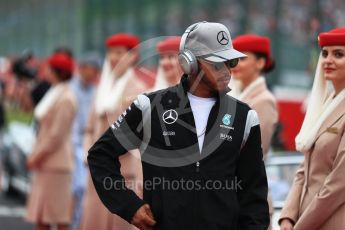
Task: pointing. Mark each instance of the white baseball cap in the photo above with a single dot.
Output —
(210, 41)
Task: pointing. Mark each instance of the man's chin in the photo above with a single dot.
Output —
(222, 90)
(225, 89)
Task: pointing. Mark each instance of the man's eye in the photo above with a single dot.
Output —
(218, 65)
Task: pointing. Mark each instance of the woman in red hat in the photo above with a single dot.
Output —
(169, 70)
(249, 85)
(118, 87)
(51, 161)
(316, 199)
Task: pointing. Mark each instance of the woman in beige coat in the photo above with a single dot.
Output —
(317, 197)
(118, 87)
(249, 86)
(51, 161)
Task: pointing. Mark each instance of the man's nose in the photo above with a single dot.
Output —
(226, 70)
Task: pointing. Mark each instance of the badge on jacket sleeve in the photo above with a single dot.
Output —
(332, 130)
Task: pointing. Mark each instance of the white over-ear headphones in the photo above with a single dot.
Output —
(187, 59)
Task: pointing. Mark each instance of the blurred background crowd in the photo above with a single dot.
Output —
(32, 30)
(82, 25)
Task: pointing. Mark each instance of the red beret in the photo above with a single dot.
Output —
(255, 44)
(332, 38)
(171, 44)
(62, 62)
(122, 39)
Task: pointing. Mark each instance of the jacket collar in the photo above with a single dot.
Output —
(254, 89)
(332, 119)
(221, 107)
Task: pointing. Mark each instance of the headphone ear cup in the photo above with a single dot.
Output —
(188, 62)
(183, 60)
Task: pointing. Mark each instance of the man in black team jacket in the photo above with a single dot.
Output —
(194, 179)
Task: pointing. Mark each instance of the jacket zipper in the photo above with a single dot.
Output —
(196, 206)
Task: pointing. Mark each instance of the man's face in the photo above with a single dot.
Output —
(88, 73)
(216, 75)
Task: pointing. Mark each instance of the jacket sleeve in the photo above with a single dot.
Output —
(329, 198)
(252, 195)
(291, 205)
(104, 164)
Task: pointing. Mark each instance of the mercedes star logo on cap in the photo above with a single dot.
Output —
(222, 38)
(170, 116)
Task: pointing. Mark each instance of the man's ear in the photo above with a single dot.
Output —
(199, 67)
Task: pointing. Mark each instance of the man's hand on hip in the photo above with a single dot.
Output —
(143, 218)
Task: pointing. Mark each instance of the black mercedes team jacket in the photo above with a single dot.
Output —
(222, 188)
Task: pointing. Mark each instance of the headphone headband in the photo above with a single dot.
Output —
(186, 33)
(187, 59)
